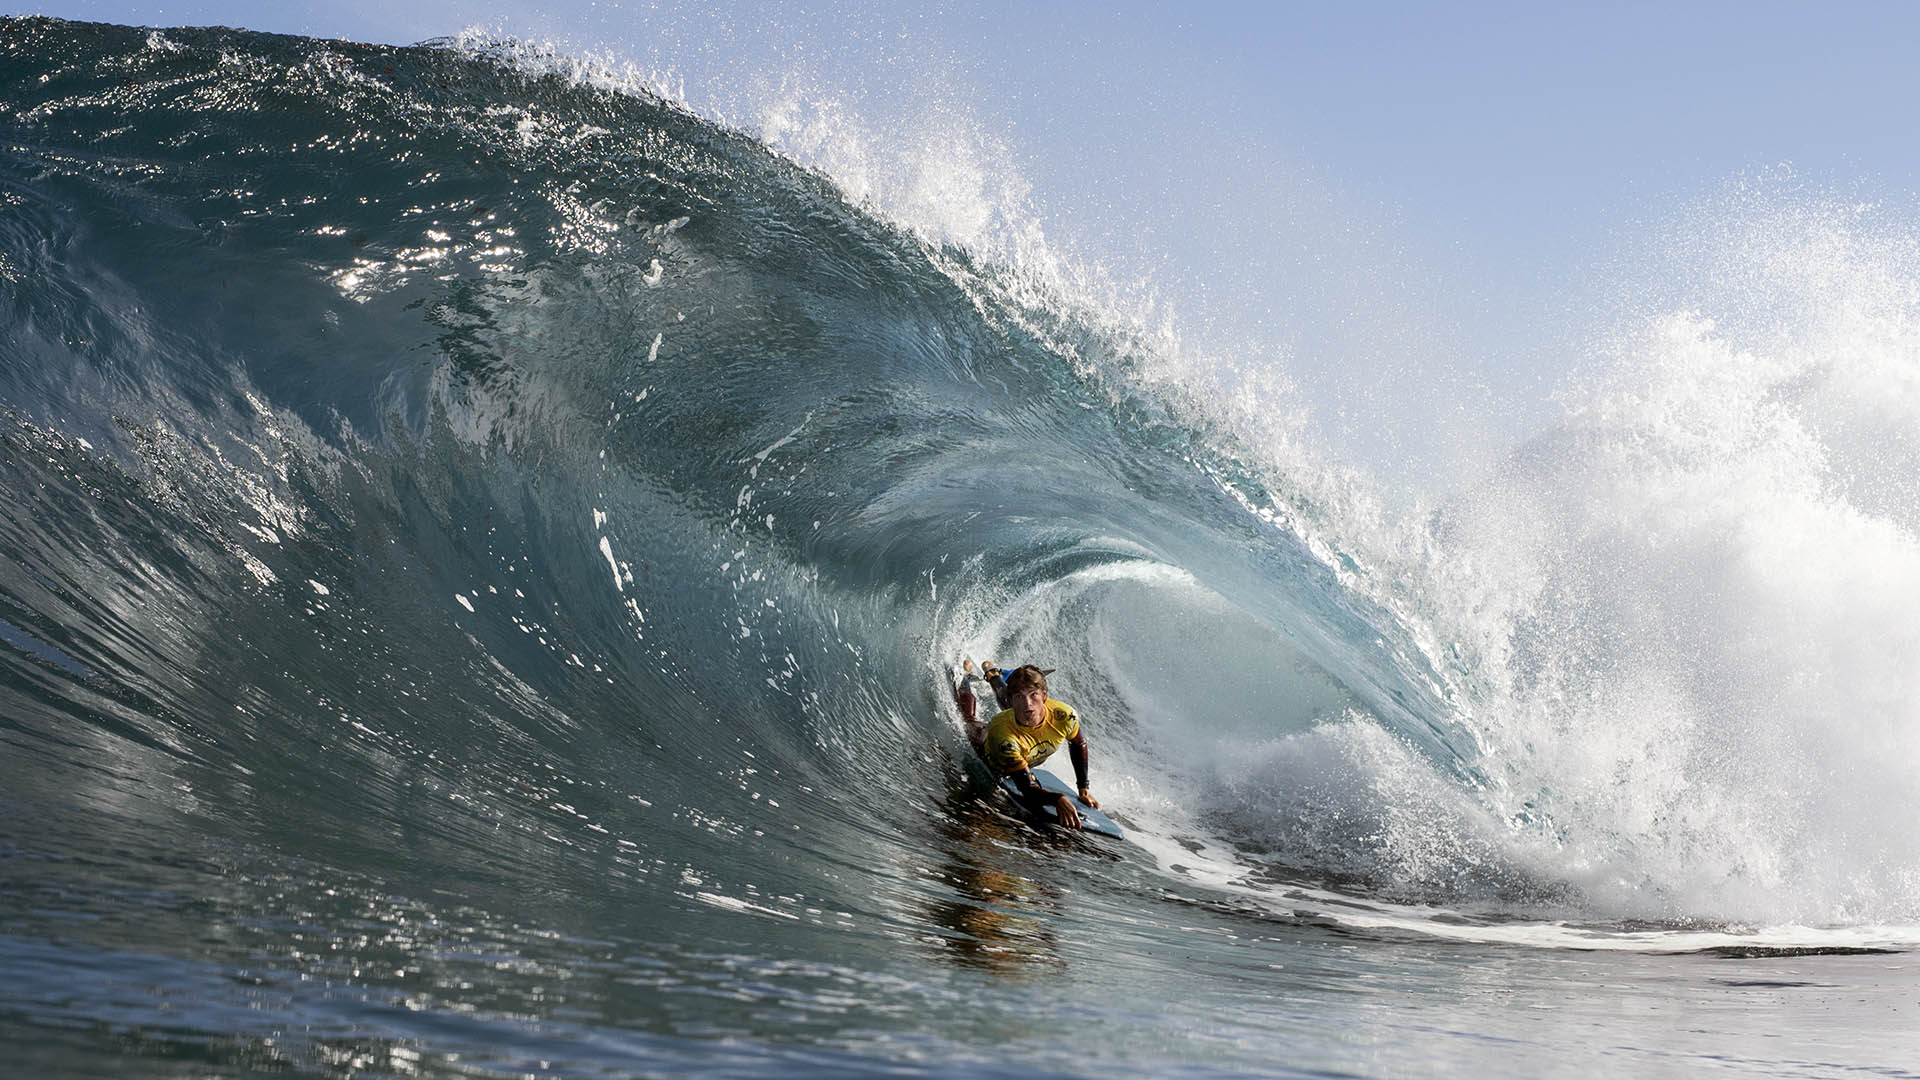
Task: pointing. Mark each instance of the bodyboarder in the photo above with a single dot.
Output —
(1027, 733)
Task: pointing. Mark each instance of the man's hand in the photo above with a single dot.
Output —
(1069, 817)
(1086, 796)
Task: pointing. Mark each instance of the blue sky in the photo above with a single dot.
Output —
(1442, 197)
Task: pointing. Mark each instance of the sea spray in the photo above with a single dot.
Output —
(1683, 614)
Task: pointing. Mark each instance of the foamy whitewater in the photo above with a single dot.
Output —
(485, 544)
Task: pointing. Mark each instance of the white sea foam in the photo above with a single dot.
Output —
(1684, 618)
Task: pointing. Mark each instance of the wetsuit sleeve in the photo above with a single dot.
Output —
(1032, 795)
(1077, 752)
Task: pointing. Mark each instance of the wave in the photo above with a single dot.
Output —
(597, 495)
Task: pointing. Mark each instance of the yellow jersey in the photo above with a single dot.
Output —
(1009, 747)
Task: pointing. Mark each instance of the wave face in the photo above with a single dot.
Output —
(482, 550)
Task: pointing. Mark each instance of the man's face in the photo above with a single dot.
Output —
(1028, 704)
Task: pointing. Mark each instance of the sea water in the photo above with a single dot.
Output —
(484, 546)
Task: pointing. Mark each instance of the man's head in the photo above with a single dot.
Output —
(1024, 676)
(1027, 692)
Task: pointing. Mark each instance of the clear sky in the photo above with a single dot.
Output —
(1442, 196)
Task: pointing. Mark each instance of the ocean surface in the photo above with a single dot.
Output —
(482, 548)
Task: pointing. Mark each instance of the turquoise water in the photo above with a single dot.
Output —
(482, 550)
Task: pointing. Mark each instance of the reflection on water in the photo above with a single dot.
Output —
(1001, 921)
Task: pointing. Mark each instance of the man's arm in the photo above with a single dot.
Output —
(1038, 798)
(1077, 750)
